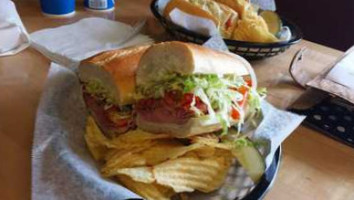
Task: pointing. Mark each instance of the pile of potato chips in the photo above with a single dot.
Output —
(157, 166)
(250, 26)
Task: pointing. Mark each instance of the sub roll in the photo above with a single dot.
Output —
(108, 86)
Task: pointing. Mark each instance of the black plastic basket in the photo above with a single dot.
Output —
(249, 50)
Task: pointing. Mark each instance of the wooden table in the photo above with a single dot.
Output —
(312, 167)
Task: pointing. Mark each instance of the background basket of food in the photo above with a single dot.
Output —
(252, 34)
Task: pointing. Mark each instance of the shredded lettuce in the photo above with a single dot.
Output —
(219, 93)
(240, 142)
(96, 88)
(199, 92)
(254, 102)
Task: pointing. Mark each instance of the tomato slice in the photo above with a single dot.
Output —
(187, 100)
(228, 23)
(248, 81)
(244, 91)
(235, 114)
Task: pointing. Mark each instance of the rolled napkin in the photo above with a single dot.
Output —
(13, 35)
(68, 45)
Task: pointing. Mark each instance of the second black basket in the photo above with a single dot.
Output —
(249, 50)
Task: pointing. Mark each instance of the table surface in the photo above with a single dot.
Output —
(312, 166)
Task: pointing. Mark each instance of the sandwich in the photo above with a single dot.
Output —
(108, 86)
(184, 89)
(177, 91)
(223, 17)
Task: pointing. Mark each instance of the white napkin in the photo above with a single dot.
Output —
(13, 35)
(343, 72)
(68, 45)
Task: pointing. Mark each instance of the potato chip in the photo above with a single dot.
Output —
(156, 165)
(97, 143)
(162, 151)
(136, 138)
(212, 141)
(243, 7)
(186, 174)
(129, 144)
(151, 191)
(92, 130)
(116, 153)
(124, 160)
(206, 138)
(140, 174)
(253, 30)
(205, 151)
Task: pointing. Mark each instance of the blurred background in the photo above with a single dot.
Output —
(327, 22)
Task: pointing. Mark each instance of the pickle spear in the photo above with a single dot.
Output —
(251, 160)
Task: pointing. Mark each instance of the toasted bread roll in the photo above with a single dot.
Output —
(108, 86)
(187, 58)
(115, 70)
